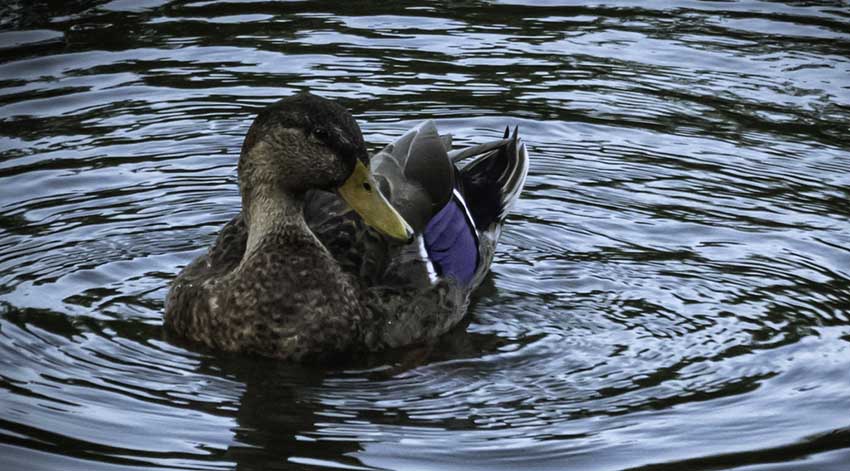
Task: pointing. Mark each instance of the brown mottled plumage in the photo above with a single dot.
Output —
(298, 275)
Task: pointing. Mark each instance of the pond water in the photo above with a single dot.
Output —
(672, 292)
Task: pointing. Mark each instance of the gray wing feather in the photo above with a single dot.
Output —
(415, 173)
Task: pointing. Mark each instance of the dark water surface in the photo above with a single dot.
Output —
(672, 293)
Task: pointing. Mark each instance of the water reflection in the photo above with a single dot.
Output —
(283, 412)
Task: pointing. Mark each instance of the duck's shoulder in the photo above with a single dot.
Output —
(221, 258)
(190, 298)
(229, 246)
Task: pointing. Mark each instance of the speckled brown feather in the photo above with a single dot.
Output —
(287, 299)
(384, 312)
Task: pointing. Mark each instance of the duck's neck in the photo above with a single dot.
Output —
(274, 212)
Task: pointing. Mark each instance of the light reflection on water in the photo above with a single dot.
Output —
(672, 292)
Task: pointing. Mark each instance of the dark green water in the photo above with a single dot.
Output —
(672, 292)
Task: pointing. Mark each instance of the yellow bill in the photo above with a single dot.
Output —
(361, 192)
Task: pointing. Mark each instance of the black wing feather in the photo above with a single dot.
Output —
(494, 180)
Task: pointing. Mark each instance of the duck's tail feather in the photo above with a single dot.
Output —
(462, 154)
(493, 181)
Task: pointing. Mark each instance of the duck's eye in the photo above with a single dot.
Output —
(320, 133)
(367, 186)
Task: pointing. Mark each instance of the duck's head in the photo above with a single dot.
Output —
(306, 142)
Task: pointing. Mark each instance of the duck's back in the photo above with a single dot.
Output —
(421, 289)
(456, 212)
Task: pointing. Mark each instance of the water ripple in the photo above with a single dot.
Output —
(671, 292)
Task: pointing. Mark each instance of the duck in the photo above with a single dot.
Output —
(336, 252)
